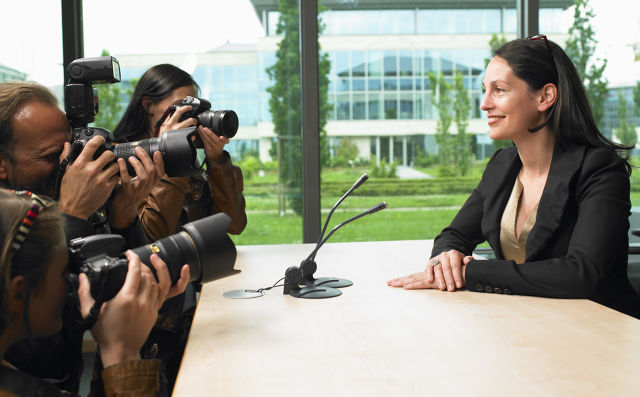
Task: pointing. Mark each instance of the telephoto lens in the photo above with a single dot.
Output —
(204, 245)
(221, 122)
(178, 148)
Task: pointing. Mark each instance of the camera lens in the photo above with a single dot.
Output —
(203, 245)
(221, 122)
(177, 148)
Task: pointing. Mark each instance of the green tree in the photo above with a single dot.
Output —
(625, 133)
(346, 153)
(580, 47)
(494, 43)
(284, 104)
(461, 109)
(442, 100)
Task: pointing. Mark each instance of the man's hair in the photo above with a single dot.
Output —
(13, 95)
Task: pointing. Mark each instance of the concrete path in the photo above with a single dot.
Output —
(405, 172)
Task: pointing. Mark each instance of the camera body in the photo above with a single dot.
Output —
(221, 122)
(203, 245)
(178, 147)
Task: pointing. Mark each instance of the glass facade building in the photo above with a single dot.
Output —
(379, 89)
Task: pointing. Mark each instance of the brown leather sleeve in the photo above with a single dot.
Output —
(160, 212)
(227, 184)
(132, 378)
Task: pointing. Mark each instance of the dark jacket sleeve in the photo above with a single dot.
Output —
(465, 231)
(134, 234)
(588, 246)
(76, 227)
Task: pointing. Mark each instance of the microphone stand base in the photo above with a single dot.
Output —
(314, 292)
(331, 282)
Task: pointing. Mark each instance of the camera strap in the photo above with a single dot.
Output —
(76, 148)
(91, 319)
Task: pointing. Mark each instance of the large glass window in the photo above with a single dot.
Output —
(230, 60)
(380, 97)
(32, 44)
(397, 128)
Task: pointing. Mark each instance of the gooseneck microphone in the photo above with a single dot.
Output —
(356, 185)
(295, 276)
(325, 287)
(309, 262)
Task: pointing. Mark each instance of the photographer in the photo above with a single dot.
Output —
(176, 201)
(34, 136)
(95, 196)
(33, 261)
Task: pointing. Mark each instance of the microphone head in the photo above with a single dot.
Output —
(378, 207)
(360, 180)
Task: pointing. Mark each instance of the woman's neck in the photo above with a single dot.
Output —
(536, 152)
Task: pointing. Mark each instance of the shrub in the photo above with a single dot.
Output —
(249, 166)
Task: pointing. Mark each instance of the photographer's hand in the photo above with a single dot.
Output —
(213, 145)
(172, 122)
(87, 183)
(133, 191)
(125, 321)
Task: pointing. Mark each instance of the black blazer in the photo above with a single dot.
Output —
(578, 246)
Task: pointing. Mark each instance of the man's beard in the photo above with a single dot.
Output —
(45, 185)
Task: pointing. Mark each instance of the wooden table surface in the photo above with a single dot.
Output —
(376, 340)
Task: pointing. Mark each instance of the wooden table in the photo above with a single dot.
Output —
(376, 340)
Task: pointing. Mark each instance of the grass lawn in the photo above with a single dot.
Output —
(408, 217)
(270, 228)
(270, 203)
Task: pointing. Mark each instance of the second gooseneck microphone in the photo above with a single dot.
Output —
(325, 287)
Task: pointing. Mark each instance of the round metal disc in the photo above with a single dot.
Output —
(243, 294)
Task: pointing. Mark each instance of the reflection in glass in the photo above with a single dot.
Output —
(375, 106)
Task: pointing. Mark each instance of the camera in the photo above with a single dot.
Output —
(203, 245)
(178, 147)
(221, 122)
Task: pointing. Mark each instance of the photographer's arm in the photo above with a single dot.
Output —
(125, 322)
(160, 212)
(87, 183)
(133, 191)
(225, 180)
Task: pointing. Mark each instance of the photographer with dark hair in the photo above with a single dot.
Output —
(95, 196)
(34, 281)
(175, 201)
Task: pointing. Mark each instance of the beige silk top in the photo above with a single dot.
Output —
(512, 248)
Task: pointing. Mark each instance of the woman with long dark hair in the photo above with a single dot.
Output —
(555, 206)
(176, 201)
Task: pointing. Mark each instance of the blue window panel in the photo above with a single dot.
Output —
(406, 84)
(343, 85)
(358, 85)
(374, 84)
(390, 84)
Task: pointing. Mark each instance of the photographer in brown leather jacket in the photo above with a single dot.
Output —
(175, 201)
